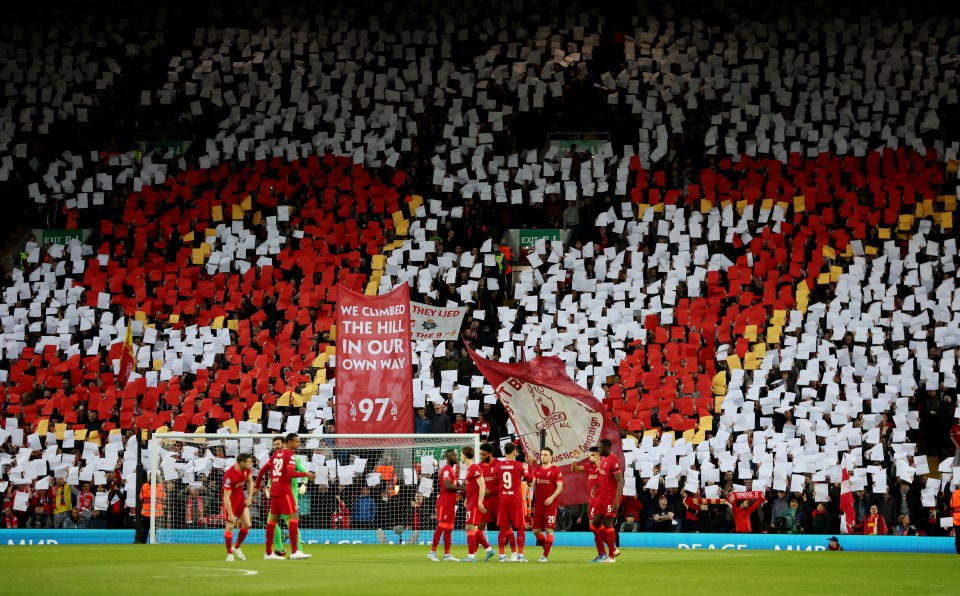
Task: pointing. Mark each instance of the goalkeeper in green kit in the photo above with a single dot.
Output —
(298, 488)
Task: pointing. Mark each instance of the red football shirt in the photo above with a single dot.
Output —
(283, 468)
(473, 487)
(607, 488)
(511, 474)
(492, 482)
(444, 496)
(593, 478)
(545, 483)
(235, 480)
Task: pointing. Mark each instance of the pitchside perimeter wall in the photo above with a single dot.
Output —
(901, 544)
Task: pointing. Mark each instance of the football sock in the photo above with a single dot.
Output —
(447, 539)
(271, 528)
(294, 536)
(547, 544)
(471, 542)
(242, 535)
(611, 540)
(598, 540)
(293, 526)
(228, 538)
(502, 539)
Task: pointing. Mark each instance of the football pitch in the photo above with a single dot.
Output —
(395, 570)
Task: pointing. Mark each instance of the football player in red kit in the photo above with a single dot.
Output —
(512, 474)
(547, 486)
(609, 491)
(476, 510)
(283, 469)
(236, 506)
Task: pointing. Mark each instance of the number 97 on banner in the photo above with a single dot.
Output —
(373, 408)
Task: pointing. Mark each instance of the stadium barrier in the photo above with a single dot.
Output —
(784, 542)
(57, 537)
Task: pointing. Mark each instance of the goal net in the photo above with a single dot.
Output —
(369, 489)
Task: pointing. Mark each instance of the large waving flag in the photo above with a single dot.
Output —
(127, 359)
(540, 396)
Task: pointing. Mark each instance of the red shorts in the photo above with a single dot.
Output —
(544, 517)
(492, 506)
(605, 508)
(474, 517)
(236, 507)
(510, 514)
(282, 505)
(445, 515)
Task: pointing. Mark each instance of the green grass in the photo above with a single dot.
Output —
(394, 570)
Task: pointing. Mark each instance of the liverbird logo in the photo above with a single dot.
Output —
(429, 325)
(547, 410)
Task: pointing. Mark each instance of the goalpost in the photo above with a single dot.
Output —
(369, 489)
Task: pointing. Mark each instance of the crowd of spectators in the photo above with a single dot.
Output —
(758, 277)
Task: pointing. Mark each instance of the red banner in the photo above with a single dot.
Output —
(539, 396)
(374, 393)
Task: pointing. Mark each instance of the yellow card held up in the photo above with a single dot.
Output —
(284, 400)
(255, 412)
(231, 424)
(216, 213)
(43, 426)
(59, 429)
(706, 423)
